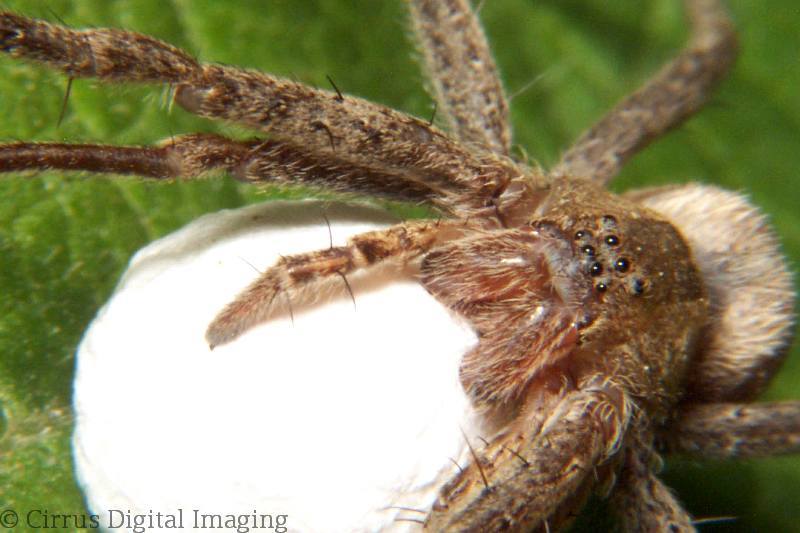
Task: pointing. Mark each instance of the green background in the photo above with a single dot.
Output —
(65, 240)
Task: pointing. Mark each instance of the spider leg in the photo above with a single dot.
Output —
(729, 430)
(196, 155)
(462, 72)
(292, 275)
(643, 502)
(324, 123)
(348, 128)
(678, 91)
(523, 477)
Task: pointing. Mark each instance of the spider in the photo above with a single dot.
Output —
(608, 324)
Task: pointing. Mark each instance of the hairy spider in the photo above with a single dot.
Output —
(604, 329)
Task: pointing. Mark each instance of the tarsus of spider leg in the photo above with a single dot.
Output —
(678, 91)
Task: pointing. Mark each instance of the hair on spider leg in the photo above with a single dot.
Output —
(349, 289)
(404, 508)
(433, 114)
(460, 468)
(517, 455)
(169, 127)
(318, 125)
(715, 520)
(64, 102)
(339, 96)
(406, 519)
(330, 232)
(522, 153)
(286, 297)
(52, 12)
(289, 306)
(70, 79)
(251, 265)
(528, 85)
(477, 460)
(258, 147)
(168, 99)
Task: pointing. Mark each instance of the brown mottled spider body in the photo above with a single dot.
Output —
(548, 300)
(605, 323)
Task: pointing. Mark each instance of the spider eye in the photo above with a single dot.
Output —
(638, 286)
(581, 233)
(601, 287)
(622, 265)
(612, 240)
(588, 250)
(596, 269)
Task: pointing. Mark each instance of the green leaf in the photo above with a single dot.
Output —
(64, 240)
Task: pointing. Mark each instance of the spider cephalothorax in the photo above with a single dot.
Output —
(607, 325)
(548, 296)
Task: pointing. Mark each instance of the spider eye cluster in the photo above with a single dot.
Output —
(601, 253)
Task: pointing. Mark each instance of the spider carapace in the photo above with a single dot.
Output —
(555, 289)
